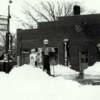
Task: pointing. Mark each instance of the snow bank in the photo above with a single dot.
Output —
(28, 83)
(93, 70)
(20, 73)
(27, 72)
(62, 70)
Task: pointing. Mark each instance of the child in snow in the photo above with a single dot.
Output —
(33, 57)
(39, 58)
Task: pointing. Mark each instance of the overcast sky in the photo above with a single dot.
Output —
(15, 7)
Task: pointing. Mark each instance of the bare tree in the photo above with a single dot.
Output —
(45, 11)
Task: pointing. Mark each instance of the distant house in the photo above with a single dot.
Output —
(76, 40)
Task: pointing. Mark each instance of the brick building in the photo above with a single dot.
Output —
(74, 38)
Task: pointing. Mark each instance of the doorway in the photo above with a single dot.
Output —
(54, 56)
(83, 60)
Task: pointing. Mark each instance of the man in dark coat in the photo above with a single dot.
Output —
(46, 62)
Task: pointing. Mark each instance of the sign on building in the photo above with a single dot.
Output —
(3, 23)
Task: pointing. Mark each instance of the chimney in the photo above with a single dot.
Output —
(76, 10)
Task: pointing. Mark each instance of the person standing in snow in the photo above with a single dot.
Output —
(33, 57)
(46, 63)
(39, 58)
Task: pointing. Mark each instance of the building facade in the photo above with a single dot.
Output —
(75, 39)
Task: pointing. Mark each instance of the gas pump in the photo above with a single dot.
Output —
(66, 52)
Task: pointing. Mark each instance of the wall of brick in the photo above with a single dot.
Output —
(78, 29)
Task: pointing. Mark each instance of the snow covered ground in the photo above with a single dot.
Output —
(28, 83)
(93, 70)
(62, 70)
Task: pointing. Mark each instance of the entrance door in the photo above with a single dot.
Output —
(83, 60)
(53, 54)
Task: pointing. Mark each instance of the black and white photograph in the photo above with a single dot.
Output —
(49, 50)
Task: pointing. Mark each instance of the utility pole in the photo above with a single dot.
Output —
(8, 34)
(8, 43)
